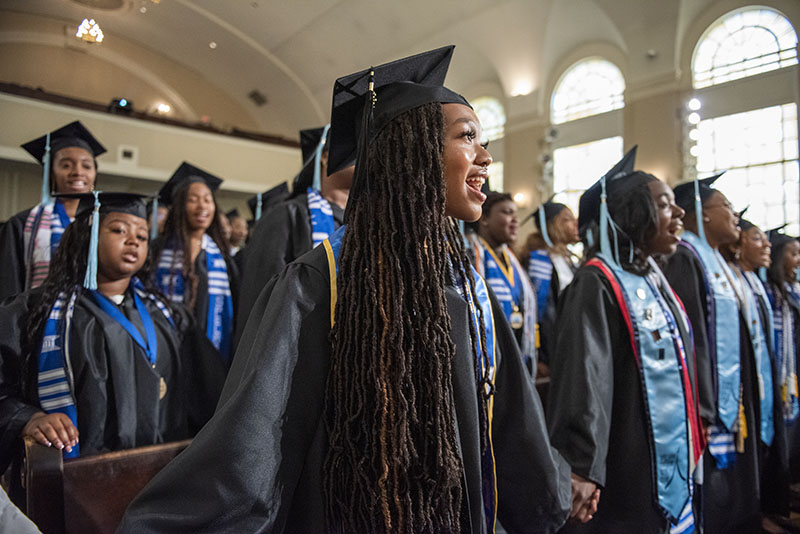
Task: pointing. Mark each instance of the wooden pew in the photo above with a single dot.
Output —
(87, 494)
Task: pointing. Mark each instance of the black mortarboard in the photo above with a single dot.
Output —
(73, 134)
(778, 240)
(273, 196)
(309, 143)
(589, 204)
(684, 193)
(399, 86)
(183, 174)
(233, 214)
(745, 225)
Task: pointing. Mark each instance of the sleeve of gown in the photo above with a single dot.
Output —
(580, 399)
(12, 275)
(14, 410)
(268, 252)
(533, 480)
(240, 472)
(684, 274)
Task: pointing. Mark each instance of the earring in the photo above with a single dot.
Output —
(706, 219)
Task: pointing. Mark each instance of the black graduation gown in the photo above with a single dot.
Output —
(115, 387)
(256, 466)
(730, 496)
(282, 235)
(595, 408)
(200, 309)
(12, 250)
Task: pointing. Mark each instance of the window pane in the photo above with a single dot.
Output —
(492, 116)
(589, 87)
(496, 176)
(577, 167)
(759, 151)
(744, 43)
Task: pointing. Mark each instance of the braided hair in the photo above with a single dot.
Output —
(392, 463)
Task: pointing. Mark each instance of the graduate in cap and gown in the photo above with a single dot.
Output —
(782, 289)
(622, 403)
(95, 360)
(496, 262)
(550, 265)
(29, 239)
(292, 228)
(397, 399)
(727, 376)
(193, 266)
(238, 231)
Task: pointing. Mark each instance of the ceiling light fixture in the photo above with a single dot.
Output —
(163, 108)
(212, 45)
(89, 31)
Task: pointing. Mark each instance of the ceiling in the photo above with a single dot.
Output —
(291, 51)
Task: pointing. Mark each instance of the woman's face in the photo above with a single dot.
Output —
(754, 248)
(501, 222)
(73, 170)
(563, 228)
(668, 220)
(122, 246)
(200, 207)
(791, 258)
(720, 221)
(465, 163)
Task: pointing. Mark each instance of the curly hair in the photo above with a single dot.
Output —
(393, 462)
(633, 212)
(176, 232)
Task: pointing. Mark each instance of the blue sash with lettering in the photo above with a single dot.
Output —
(758, 338)
(723, 329)
(485, 356)
(540, 272)
(668, 394)
(785, 352)
(322, 223)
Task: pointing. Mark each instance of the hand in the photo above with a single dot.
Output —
(53, 429)
(585, 498)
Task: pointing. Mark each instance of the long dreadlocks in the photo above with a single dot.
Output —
(393, 461)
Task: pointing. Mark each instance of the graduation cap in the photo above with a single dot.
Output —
(264, 200)
(691, 196)
(312, 143)
(233, 214)
(43, 148)
(589, 204)
(104, 202)
(187, 173)
(778, 240)
(544, 213)
(366, 101)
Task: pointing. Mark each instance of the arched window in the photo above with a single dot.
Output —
(589, 87)
(744, 43)
(492, 116)
(577, 167)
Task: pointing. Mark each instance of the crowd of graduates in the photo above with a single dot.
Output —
(361, 356)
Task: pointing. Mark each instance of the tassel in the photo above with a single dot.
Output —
(258, 206)
(589, 238)
(543, 227)
(605, 220)
(46, 198)
(762, 274)
(90, 280)
(154, 219)
(317, 184)
(698, 211)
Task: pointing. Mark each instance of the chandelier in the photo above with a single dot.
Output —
(89, 31)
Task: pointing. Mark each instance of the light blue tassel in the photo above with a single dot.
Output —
(589, 238)
(258, 206)
(154, 219)
(90, 280)
(543, 227)
(762, 274)
(46, 198)
(605, 223)
(317, 156)
(797, 274)
(698, 211)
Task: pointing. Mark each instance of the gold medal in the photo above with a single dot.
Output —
(162, 388)
(516, 320)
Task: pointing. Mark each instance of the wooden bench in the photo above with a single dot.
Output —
(87, 494)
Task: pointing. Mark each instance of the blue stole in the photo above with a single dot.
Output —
(506, 282)
(485, 357)
(661, 359)
(761, 352)
(58, 224)
(785, 352)
(219, 322)
(322, 223)
(540, 271)
(54, 383)
(723, 329)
